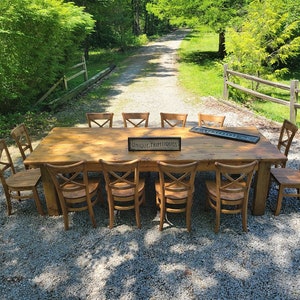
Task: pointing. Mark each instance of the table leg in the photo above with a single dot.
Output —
(261, 189)
(52, 201)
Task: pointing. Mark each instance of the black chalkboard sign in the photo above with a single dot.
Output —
(154, 143)
(248, 138)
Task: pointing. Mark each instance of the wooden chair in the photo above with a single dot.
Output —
(100, 119)
(173, 119)
(286, 178)
(229, 193)
(175, 190)
(210, 120)
(21, 136)
(136, 119)
(125, 190)
(76, 192)
(21, 185)
(287, 133)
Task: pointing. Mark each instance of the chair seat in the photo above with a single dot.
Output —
(286, 176)
(172, 195)
(92, 186)
(28, 178)
(129, 192)
(212, 189)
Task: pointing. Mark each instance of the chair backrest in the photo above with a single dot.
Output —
(122, 180)
(72, 186)
(210, 120)
(234, 180)
(125, 190)
(21, 136)
(100, 119)
(287, 133)
(136, 119)
(173, 119)
(177, 180)
(6, 165)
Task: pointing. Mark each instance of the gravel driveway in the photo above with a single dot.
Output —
(39, 260)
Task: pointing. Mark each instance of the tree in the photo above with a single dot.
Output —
(217, 14)
(38, 42)
(267, 39)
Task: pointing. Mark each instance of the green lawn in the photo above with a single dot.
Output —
(201, 71)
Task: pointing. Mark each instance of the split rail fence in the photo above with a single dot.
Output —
(293, 89)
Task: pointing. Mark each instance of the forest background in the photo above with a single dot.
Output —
(41, 39)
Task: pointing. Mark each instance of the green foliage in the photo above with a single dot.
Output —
(267, 39)
(38, 42)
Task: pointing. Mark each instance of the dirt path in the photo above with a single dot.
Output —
(150, 83)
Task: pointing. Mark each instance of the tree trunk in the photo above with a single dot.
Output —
(222, 51)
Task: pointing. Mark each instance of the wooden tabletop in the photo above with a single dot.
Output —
(90, 144)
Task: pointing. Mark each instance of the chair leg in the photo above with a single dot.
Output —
(188, 216)
(66, 221)
(111, 214)
(244, 219)
(218, 216)
(8, 205)
(137, 216)
(38, 202)
(92, 215)
(162, 216)
(279, 200)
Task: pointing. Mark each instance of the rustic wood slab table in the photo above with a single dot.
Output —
(68, 145)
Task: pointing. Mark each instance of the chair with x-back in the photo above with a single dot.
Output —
(75, 189)
(229, 193)
(104, 119)
(210, 120)
(175, 190)
(287, 179)
(18, 185)
(286, 136)
(173, 119)
(136, 119)
(125, 189)
(21, 136)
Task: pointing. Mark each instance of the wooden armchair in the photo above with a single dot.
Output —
(287, 133)
(100, 119)
(21, 136)
(125, 190)
(229, 193)
(76, 192)
(136, 119)
(210, 120)
(175, 190)
(21, 185)
(173, 119)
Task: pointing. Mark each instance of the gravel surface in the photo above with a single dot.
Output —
(39, 260)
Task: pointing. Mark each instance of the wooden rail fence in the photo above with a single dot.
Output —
(82, 66)
(293, 89)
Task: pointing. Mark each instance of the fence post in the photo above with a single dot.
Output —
(225, 86)
(65, 82)
(293, 100)
(85, 68)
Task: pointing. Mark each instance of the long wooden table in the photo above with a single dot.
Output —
(68, 145)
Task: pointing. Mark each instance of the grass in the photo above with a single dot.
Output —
(201, 71)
